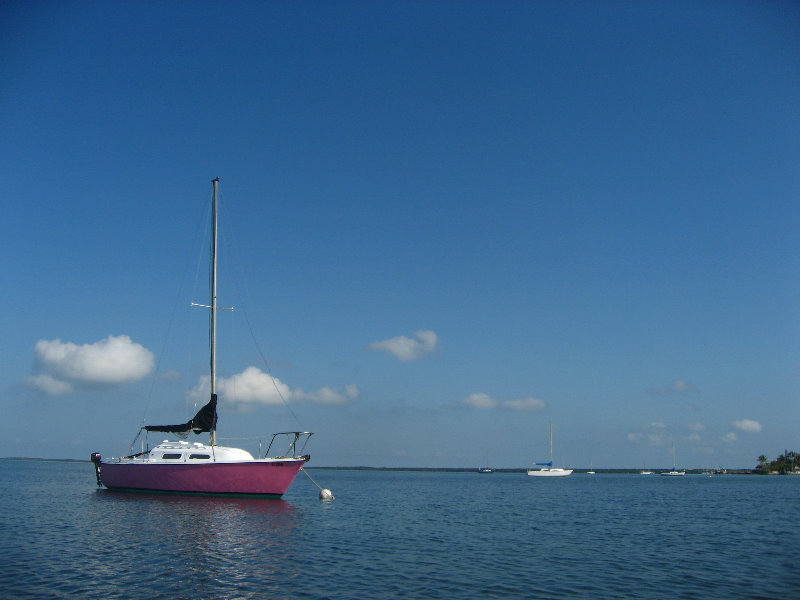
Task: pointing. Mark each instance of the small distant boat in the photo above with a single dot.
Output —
(674, 472)
(547, 469)
(487, 468)
(644, 470)
(181, 467)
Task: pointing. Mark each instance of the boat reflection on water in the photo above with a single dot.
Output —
(215, 540)
(211, 503)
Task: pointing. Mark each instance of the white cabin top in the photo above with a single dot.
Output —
(168, 451)
(185, 452)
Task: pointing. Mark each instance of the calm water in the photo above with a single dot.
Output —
(403, 535)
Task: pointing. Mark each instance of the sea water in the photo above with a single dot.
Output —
(393, 534)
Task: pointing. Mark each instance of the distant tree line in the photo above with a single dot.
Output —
(785, 463)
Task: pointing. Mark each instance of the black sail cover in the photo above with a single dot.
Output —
(204, 420)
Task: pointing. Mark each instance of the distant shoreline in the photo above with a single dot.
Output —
(440, 469)
(525, 470)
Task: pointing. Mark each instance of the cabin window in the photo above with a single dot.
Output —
(199, 456)
(171, 456)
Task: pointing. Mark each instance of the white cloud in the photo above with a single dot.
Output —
(696, 426)
(112, 361)
(252, 387)
(729, 437)
(481, 400)
(747, 425)
(405, 348)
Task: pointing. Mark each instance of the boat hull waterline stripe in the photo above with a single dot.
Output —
(201, 494)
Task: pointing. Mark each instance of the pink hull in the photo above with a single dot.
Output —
(246, 478)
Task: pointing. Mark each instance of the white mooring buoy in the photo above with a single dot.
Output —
(324, 493)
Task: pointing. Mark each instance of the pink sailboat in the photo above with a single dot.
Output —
(182, 467)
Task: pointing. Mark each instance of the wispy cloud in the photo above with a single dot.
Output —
(481, 400)
(679, 386)
(695, 428)
(49, 385)
(252, 387)
(525, 404)
(654, 434)
(66, 366)
(405, 348)
(326, 395)
(170, 376)
(747, 425)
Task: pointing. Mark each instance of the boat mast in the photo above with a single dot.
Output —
(551, 443)
(674, 461)
(215, 183)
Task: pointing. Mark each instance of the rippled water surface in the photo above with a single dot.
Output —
(403, 535)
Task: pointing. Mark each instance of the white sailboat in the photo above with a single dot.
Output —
(547, 469)
(674, 472)
(487, 468)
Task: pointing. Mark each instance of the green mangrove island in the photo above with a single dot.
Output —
(787, 463)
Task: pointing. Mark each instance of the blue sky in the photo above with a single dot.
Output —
(444, 223)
